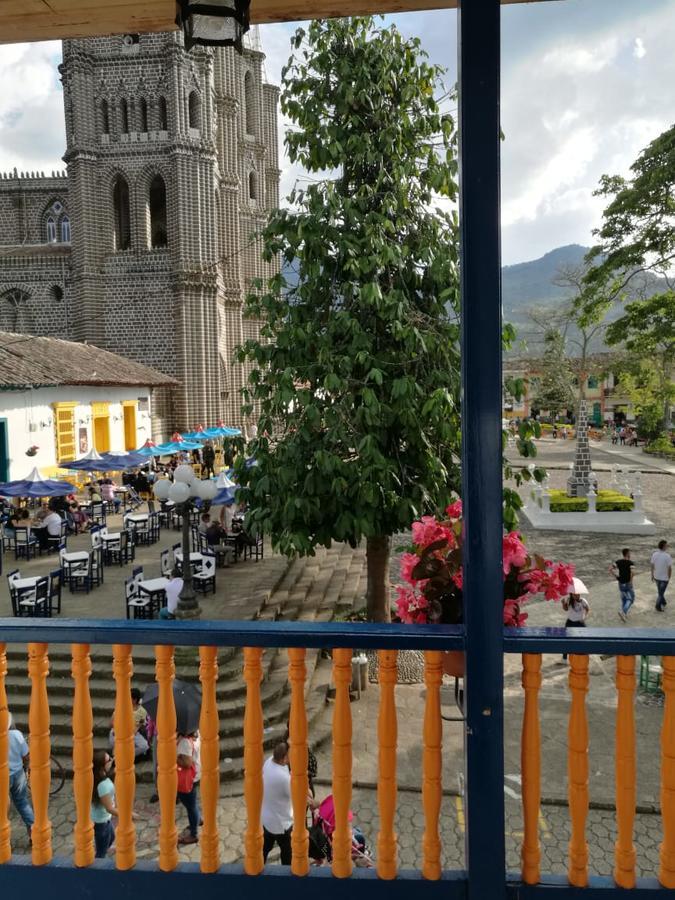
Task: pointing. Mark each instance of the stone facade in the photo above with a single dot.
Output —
(579, 482)
(148, 246)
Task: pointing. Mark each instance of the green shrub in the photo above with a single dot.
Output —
(607, 501)
(661, 445)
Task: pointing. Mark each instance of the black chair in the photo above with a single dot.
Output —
(165, 514)
(56, 541)
(204, 581)
(77, 575)
(55, 579)
(96, 566)
(36, 603)
(25, 543)
(155, 527)
(253, 543)
(194, 538)
(97, 513)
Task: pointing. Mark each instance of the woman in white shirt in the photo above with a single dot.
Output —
(577, 609)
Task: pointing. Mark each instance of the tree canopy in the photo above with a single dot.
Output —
(555, 390)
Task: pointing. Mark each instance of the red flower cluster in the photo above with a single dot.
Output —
(434, 572)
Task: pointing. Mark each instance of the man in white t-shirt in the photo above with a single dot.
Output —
(277, 810)
(662, 567)
(172, 591)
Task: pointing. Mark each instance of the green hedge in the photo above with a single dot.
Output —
(607, 501)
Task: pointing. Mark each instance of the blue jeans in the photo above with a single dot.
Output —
(18, 791)
(104, 837)
(191, 803)
(661, 588)
(627, 592)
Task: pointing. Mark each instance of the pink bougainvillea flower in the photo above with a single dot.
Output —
(429, 530)
(454, 511)
(411, 608)
(513, 617)
(514, 551)
(408, 563)
(458, 578)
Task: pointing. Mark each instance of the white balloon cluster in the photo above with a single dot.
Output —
(184, 486)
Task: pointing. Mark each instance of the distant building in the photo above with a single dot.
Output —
(146, 247)
(63, 398)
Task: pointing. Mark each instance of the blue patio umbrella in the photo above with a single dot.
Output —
(176, 446)
(87, 463)
(115, 462)
(34, 485)
(149, 448)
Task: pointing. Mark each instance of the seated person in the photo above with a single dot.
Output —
(78, 517)
(94, 493)
(215, 533)
(108, 493)
(173, 589)
(204, 523)
(42, 513)
(59, 505)
(18, 516)
(51, 528)
(141, 746)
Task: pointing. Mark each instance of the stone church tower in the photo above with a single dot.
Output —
(172, 168)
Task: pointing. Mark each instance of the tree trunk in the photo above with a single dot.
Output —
(378, 602)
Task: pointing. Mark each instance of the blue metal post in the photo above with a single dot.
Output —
(478, 64)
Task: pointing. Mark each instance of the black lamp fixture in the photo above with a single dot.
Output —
(221, 23)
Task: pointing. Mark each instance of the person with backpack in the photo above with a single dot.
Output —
(103, 807)
(189, 772)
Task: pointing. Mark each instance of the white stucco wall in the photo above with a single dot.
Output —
(30, 420)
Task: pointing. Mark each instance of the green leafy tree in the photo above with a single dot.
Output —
(356, 374)
(647, 333)
(555, 390)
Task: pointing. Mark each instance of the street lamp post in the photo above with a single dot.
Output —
(185, 489)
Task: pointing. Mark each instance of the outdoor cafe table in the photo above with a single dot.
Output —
(196, 559)
(25, 584)
(75, 556)
(155, 590)
(139, 518)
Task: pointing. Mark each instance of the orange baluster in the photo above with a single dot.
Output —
(298, 758)
(530, 762)
(209, 730)
(626, 773)
(83, 749)
(342, 763)
(253, 761)
(577, 770)
(387, 736)
(5, 830)
(667, 855)
(40, 771)
(125, 774)
(167, 776)
(432, 787)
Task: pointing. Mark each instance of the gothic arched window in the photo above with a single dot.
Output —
(13, 312)
(163, 117)
(252, 186)
(157, 210)
(249, 103)
(124, 116)
(143, 114)
(51, 230)
(194, 109)
(65, 230)
(105, 117)
(122, 221)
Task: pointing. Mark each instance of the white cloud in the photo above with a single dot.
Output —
(639, 49)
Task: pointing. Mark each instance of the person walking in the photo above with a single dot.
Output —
(103, 804)
(208, 460)
(622, 570)
(576, 606)
(18, 784)
(277, 809)
(189, 773)
(662, 567)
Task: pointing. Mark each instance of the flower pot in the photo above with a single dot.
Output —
(453, 663)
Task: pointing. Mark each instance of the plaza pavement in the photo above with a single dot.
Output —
(592, 554)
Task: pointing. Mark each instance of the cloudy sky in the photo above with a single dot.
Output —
(585, 85)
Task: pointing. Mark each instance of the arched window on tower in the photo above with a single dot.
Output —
(124, 116)
(249, 110)
(51, 230)
(143, 114)
(162, 115)
(194, 109)
(65, 230)
(14, 312)
(157, 212)
(252, 186)
(105, 117)
(122, 222)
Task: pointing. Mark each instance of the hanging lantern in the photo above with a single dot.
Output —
(221, 23)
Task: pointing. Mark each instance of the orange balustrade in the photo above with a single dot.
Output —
(209, 731)
(40, 772)
(167, 777)
(667, 855)
(342, 763)
(125, 773)
(387, 735)
(83, 749)
(577, 770)
(297, 673)
(625, 772)
(5, 830)
(253, 761)
(530, 761)
(431, 765)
